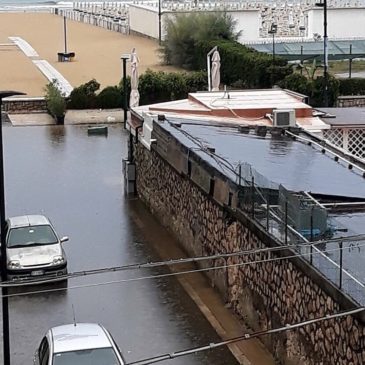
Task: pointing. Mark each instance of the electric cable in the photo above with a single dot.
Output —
(172, 274)
(27, 282)
(244, 337)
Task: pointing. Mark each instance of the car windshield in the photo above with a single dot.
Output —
(102, 356)
(32, 235)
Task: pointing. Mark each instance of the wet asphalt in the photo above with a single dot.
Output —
(76, 180)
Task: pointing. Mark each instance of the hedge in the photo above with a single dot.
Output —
(354, 86)
(154, 87)
(158, 87)
(312, 88)
(252, 68)
(84, 96)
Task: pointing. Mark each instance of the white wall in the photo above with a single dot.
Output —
(248, 21)
(341, 23)
(144, 19)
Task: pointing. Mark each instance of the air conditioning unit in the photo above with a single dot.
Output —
(284, 117)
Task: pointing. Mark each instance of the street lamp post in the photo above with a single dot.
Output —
(125, 57)
(159, 22)
(5, 301)
(350, 62)
(301, 29)
(273, 30)
(323, 4)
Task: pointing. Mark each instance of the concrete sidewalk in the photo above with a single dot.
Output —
(87, 116)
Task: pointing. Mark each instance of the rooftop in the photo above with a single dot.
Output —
(344, 117)
(28, 220)
(247, 107)
(305, 50)
(279, 159)
(82, 336)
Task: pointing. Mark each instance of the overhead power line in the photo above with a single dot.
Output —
(171, 274)
(136, 266)
(245, 337)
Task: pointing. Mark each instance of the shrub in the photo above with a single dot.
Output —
(317, 96)
(196, 81)
(296, 82)
(55, 99)
(253, 69)
(84, 97)
(154, 87)
(110, 97)
(354, 86)
(314, 88)
(157, 87)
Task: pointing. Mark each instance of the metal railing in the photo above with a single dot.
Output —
(326, 254)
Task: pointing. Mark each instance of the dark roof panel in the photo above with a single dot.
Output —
(280, 160)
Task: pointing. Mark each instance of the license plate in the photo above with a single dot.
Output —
(37, 272)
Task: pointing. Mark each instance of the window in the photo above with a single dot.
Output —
(31, 235)
(43, 352)
(102, 356)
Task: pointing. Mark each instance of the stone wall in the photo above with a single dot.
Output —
(350, 101)
(24, 105)
(264, 295)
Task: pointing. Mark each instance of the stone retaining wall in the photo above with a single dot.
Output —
(350, 101)
(265, 295)
(24, 105)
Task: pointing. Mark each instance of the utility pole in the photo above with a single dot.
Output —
(273, 30)
(3, 261)
(325, 44)
(323, 4)
(125, 57)
(159, 23)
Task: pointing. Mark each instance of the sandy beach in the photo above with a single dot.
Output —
(97, 50)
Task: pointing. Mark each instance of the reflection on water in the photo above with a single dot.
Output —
(56, 135)
(280, 146)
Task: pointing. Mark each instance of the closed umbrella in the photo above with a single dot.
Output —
(134, 97)
(216, 67)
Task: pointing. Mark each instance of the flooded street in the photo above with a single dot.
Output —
(76, 180)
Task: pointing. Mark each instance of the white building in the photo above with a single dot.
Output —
(144, 19)
(341, 22)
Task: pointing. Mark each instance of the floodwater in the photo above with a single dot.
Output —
(76, 180)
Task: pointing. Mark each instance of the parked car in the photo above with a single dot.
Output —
(78, 343)
(33, 248)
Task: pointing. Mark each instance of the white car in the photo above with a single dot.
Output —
(78, 344)
(33, 248)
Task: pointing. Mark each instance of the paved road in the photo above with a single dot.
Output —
(345, 75)
(76, 181)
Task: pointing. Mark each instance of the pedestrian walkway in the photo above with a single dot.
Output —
(27, 49)
(44, 66)
(52, 74)
(88, 116)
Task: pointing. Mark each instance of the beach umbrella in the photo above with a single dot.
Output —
(134, 97)
(216, 67)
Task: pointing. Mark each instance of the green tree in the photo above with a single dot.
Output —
(185, 32)
(55, 99)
